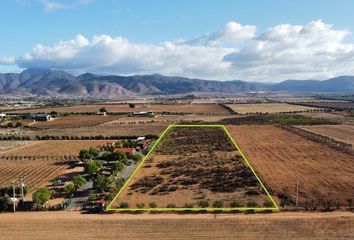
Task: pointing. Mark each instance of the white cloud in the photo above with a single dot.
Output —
(314, 50)
(7, 60)
(52, 5)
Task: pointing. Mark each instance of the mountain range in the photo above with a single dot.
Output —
(57, 83)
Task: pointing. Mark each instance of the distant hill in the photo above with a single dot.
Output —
(52, 83)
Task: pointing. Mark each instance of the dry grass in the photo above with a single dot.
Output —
(280, 156)
(343, 133)
(69, 225)
(191, 165)
(56, 148)
(267, 108)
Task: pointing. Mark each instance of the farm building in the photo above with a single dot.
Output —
(41, 117)
(125, 150)
(144, 114)
(2, 115)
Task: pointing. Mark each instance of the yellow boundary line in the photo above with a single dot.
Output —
(193, 209)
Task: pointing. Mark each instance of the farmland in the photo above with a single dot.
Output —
(279, 157)
(268, 108)
(55, 149)
(193, 165)
(37, 172)
(68, 225)
(343, 133)
(75, 121)
(124, 108)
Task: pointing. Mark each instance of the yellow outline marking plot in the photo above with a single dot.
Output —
(275, 207)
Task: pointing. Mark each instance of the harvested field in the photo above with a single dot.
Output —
(69, 225)
(344, 133)
(7, 145)
(280, 156)
(267, 108)
(189, 165)
(75, 121)
(51, 149)
(337, 117)
(124, 108)
(337, 105)
(37, 173)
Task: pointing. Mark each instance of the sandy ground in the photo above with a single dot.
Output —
(73, 225)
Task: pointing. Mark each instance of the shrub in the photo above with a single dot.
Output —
(140, 205)
(203, 203)
(188, 205)
(267, 203)
(251, 204)
(236, 204)
(218, 204)
(171, 205)
(123, 205)
(153, 205)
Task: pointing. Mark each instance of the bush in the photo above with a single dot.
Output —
(218, 204)
(3, 204)
(188, 205)
(140, 205)
(124, 205)
(236, 204)
(203, 203)
(251, 204)
(171, 205)
(267, 204)
(153, 205)
(69, 189)
(79, 181)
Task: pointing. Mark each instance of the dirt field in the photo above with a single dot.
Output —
(193, 108)
(7, 145)
(337, 117)
(267, 108)
(343, 133)
(72, 225)
(55, 148)
(280, 156)
(75, 121)
(193, 164)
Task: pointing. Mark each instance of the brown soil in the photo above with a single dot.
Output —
(191, 165)
(267, 108)
(73, 225)
(343, 133)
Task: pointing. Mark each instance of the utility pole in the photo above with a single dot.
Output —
(22, 191)
(297, 190)
(14, 196)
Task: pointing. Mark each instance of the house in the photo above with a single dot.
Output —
(142, 144)
(101, 113)
(125, 150)
(40, 117)
(2, 115)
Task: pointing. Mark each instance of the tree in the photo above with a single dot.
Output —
(88, 154)
(93, 168)
(218, 204)
(131, 105)
(203, 203)
(119, 166)
(41, 196)
(69, 189)
(350, 202)
(103, 109)
(137, 157)
(78, 181)
(103, 183)
(3, 203)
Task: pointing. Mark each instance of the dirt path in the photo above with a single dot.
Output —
(73, 225)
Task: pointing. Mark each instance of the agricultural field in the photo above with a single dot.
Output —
(344, 133)
(337, 117)
(267, 108)
(52, 149)
(193, 167)
(69, 225)
(338, 105)
(36, 172)
(280, 157)
(7, 145)
(124, 108)
(75, 121)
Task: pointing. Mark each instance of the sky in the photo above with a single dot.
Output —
(264, 40)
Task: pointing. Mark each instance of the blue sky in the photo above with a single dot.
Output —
(26, 23)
